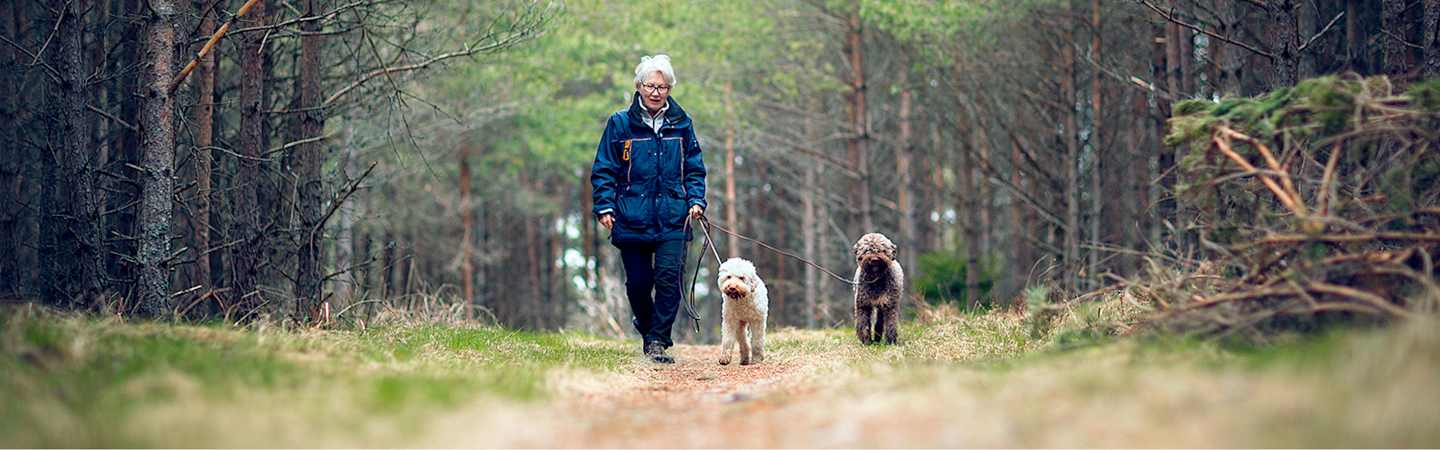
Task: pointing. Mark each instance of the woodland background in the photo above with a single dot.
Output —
(337, 160)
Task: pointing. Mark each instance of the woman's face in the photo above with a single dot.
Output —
(654, 91)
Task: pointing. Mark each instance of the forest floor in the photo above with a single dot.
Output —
(988, 380)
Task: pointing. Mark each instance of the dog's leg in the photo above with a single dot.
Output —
(727, 340)
(757, 341)
(741, 335)
(880, 326)
(890, 315)
(862, 323)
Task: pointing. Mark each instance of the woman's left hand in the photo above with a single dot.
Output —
(695, 211)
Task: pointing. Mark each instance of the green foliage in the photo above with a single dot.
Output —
(1040, 310)
(1195, 120)
(1426, 94)
(933, 25)
(1360, 118)
(942, 279)
(1318, 108)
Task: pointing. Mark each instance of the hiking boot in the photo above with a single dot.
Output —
(656, 352)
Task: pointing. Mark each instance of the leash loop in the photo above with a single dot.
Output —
(690, 303)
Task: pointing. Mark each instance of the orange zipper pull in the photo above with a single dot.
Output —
(626, 155)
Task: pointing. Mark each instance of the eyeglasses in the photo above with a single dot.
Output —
(655, 88)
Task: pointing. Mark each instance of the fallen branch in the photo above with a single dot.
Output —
(214, 39)
(1223, 143)
(1278, 239)
(1370, 299)
(1274, 164)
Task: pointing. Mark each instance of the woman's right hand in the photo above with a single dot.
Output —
(607, 221)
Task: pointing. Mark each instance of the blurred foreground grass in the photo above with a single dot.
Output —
(988, 380)
(83, 382)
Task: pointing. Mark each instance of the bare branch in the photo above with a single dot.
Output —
(1322, 32)
(1171, 17)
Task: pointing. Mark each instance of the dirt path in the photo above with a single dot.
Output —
(694, 403)
(697, 379)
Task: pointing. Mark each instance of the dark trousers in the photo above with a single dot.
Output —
(654, 267)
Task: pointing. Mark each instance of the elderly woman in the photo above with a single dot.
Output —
(648, 175)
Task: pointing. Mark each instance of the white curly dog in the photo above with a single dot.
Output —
(746, 308)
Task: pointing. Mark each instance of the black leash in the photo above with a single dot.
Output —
(690, 303)
(706, 221)
(709, 243)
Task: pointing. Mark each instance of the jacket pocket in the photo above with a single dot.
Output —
(633, 209)
(674, 208)
(642, 164)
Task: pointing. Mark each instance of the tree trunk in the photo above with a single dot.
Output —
(1023, 256)
(1216, 49)
(1432, 38)
(534, 292)
(1226, 60)
(77, 207)
(467, 225)
(310, 157)
(984, 200)
(554, 268)
(385, 277)
(858, 143)
(204, 140)
(1282, 32)
(1166, 61)
(964, 201)
(590, 249)
(98, 48)
(1174, 66)
(810, 204)
(245, 223)
(157, 131)
(124, 192)
(1130, 199)
(274, 192)
(808, 232)
(1097, 148)
(937, 186)
(12, 162)
(904, 154)
(1354, 44)
(1071, 160)
(346, 246)
(1394, 29)
(1187, 63)
(731, 205)
(1308, 62)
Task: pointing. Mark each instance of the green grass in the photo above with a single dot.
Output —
(74, 381)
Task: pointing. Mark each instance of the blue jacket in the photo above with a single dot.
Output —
(648, 180)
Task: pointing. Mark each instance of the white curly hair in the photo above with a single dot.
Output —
(652, 64)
